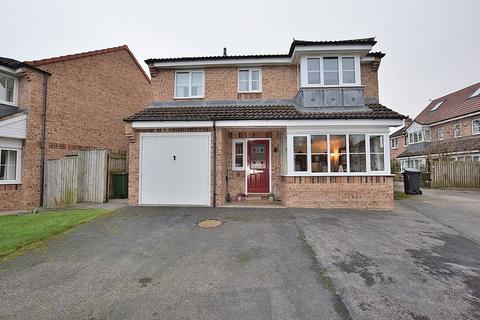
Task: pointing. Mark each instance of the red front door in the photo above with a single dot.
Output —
(258, 166)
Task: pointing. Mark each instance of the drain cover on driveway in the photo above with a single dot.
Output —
(210, 223)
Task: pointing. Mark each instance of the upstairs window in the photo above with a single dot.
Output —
(313, 70)
(457, 130)
(348, 69)
(249, 80)
(394, 143)
(7, 89)
(189, 84)
(441, 134)
(329, 71)
(476, 126)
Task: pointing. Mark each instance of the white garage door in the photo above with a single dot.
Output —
(175, 169)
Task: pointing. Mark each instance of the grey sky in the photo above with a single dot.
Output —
(432, 46)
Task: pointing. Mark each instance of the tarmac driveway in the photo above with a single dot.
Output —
(155, 263)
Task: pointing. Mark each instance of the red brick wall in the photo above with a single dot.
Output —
(466, 124)
(369, 78)
(222, 83)
(278, 82)
(87, 101)
(394, 153)
(338, 192)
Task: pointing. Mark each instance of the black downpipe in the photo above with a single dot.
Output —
(214, 163)
(43, 138)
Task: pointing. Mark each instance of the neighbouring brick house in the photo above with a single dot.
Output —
(54, 107)
(305, 127)
(449, 127)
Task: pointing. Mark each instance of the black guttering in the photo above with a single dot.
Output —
(295, 43)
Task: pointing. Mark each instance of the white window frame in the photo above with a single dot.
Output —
(244, 144)
(15, 90)
(442, 130)
(189, 84)
(455, 130)
(304, 71)
(18, 168)
(250, 70)
(367, 172)
(394, 143)
(473, 127)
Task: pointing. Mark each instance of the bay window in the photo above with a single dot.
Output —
(338, 153)
(377, 158)
(189, 84)
(358, 156)
(319, 154)
(9, 166)
(319, 151)
(300, 153)
(330, 71)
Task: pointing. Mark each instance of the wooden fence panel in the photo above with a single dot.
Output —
(460, 174)
(117, 163)
(93, 169)
(61, 182)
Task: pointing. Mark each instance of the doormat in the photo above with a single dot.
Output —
(210, 223)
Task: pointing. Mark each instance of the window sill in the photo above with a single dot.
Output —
(247, 92)
(13, 104)
(238, 169)
(188, 98)
(339, 174)
(6, 182)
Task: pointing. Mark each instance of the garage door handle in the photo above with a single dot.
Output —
(174, 158)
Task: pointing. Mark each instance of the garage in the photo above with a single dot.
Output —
(175, 168)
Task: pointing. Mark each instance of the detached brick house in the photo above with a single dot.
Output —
(449, 127)
(54, 107)
(305, 127)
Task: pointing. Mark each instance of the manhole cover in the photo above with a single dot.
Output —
(210, 223)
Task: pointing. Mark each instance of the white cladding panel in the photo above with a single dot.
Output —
(175, 169)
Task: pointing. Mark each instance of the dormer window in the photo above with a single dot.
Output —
(8, 89)
(250, 80)
(476, 93)
(330, 71)
(437, 105)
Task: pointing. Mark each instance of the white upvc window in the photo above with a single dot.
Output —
(189, 84)
(239, 154)
(457, 130)
(330, 71)
(441, 134)
(394, 143)
(10, 163)
(336, 154)
(8, 89)
(476, 126)
(250, 80)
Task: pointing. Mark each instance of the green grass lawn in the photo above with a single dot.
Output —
(17, 231)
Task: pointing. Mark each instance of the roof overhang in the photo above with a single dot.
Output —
(268, 123)
(330, 49)
(14, 126)
(223, 62)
